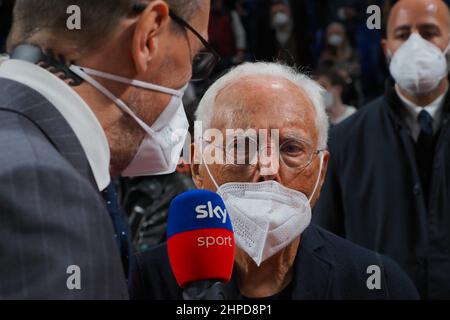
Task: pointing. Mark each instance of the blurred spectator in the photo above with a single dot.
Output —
(338, 53)
(245, 10)
(350, 13)
(334, 84)
(290, 42)
(286, 49)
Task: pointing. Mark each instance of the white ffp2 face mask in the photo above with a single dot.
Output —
(418, 66)
(160, 150)
(266, 216)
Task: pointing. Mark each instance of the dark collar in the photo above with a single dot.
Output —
(312, 269)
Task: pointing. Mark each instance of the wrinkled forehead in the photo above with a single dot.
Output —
(417, 13)
(265, 102)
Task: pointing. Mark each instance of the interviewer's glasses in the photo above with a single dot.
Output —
(206, 60)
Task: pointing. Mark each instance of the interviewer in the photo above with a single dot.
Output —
(77, 107)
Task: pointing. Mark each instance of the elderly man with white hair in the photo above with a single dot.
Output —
(285, 257)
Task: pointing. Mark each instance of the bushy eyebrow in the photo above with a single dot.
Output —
(292, 136)
(430, 26)
(402, 28)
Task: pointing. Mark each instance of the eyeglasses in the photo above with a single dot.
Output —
(205, 61)
(245, 153)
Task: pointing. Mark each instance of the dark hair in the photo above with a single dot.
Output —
(333, 75)
(99, 18)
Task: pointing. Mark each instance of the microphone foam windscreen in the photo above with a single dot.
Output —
(200, 238)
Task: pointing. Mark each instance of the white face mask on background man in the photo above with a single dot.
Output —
(159, 152)
(266, 216)
(418, 66)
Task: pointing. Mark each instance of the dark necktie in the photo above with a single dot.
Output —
(425, 150)
(120, 226)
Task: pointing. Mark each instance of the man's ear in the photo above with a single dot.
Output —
(151, 23)
(195, 167)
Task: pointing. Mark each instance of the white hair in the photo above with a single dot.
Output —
(312, 89)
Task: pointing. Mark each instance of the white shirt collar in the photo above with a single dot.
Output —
(434, 109)
(77, 113)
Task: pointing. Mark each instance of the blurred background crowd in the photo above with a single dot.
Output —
(315, 35)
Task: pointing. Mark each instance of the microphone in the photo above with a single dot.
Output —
(200, 245)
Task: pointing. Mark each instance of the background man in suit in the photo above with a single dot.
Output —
(279, 255)
(65, 130)
(387, 186)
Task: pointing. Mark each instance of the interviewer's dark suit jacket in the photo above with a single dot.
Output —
(52, 215)
(326, 267)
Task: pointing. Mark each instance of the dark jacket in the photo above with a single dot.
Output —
(373, 194)
(52, 215)
(326, 267)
